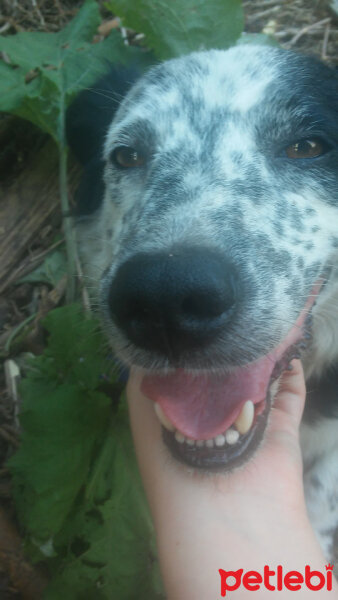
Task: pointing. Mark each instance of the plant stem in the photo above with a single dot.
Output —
(67, 221)
(17, 330)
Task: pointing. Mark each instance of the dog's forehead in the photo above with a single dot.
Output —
(178, 95)
(184, 98)
(215, 93)
(233, 80)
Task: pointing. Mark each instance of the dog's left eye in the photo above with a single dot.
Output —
(310, 148)
(127, 157)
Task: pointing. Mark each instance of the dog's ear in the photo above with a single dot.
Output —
(330, 87)
(326, 78)
(87, 122)
(92, 111)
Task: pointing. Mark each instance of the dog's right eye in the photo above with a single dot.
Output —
(127, 157)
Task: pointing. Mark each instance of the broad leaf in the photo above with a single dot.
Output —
(48, 69)
(113, 543)
(53, 268)
(76, 484)
(176, 27)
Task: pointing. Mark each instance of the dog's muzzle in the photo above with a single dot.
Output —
(173, 304)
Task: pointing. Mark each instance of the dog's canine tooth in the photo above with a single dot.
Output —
(231, 436)
(162, 418)
(245, 418)
(179, 437)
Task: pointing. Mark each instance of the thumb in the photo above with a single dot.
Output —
(291, 395)
(287, 411)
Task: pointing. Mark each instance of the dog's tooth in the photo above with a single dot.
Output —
(200, 443)
(162, 418)
(231, 436)
(190, 442)
(219, 440)
(179, 437)
(245, 418)
(209, 443)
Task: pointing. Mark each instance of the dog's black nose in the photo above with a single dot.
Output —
(173, 303)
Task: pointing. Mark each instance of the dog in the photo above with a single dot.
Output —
(207, 225)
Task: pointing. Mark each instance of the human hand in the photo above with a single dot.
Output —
(252, 517)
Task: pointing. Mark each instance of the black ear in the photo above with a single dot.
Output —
(89, 194)
(87, 122)
(92, 111)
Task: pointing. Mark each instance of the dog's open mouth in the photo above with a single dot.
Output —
(215, 421)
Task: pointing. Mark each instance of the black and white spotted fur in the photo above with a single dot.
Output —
(214, 127)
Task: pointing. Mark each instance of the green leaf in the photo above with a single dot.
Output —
(113, 536)
(63, 415)
(53, 268)
(48, 69)
(76, 349)
(76, 484)
(176, 27)
(61, 425)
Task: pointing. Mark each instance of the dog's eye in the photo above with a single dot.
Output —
(127, 157)
(310, 148)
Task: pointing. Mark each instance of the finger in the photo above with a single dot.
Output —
(286, 414)
(290, 399)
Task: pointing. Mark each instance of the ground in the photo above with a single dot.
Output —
(30, 230)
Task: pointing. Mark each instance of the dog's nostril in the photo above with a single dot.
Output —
(138, 312)
(135, 315)
(204, 305)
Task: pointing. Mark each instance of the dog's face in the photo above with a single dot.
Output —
(219, 221)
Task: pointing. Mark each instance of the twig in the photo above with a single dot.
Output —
(307, 29)
(39, 257)
(263, 3)
(85, 295)
(35, 261)
(12, 378)
(264, 13)
(28, 580)
(5, 27)
(67, 222)
(38, 12)
(285, 32)
(17, 330)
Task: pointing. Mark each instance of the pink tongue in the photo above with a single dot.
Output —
(202, 406)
